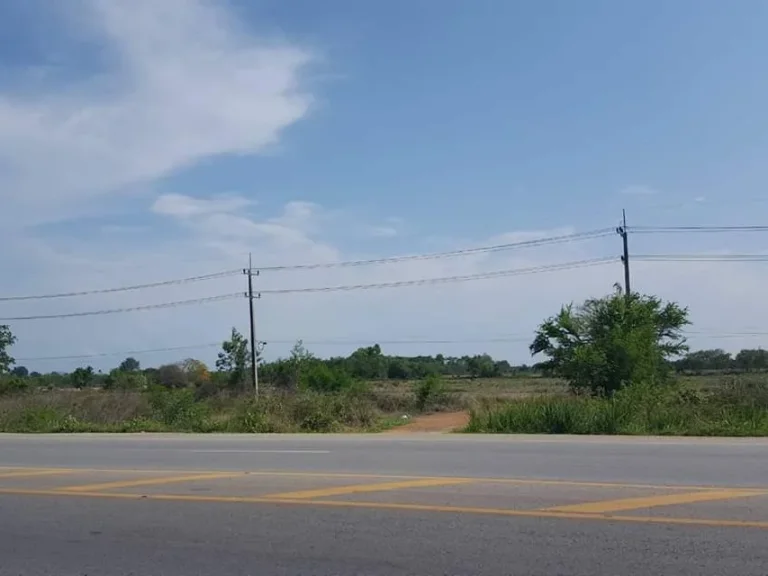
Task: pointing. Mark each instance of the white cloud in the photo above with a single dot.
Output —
(187, 84)
(638, 191)
(182, 206)
(383, 231)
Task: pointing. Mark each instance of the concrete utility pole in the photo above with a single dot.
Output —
(254, 344)
(622, 231)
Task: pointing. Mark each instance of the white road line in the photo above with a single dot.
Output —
(235, 451)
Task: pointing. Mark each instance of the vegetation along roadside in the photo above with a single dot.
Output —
(613, 365)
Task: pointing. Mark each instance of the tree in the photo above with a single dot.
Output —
(82, 377)
(171, 376)
(614, 341)
(482, 366)
(7, 339)
(20, 371)
(700, 360)
(130, 364)
(233, 359)
(196, 370)
(367, 363)
(751, 360)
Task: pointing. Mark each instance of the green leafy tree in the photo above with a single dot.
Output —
(701, 360)
(482, 366)
(367, 363)
(7, 339)
(20, 371)
(233, 359)
(82, 377)
(611, 342)
(752, 360)
(130, 364)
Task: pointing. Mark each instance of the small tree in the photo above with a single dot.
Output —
(20, 371)
(130, 364)
(7, 339)
(233, 359)
(611, 342)
(171, 376)
(82, 377)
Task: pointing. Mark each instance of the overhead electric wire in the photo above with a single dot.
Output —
(355, 342)
(692, 229)
(123, 353)
(588, 235)
(331, 342)
(127, 309)
(177, 281)
(448, 279)
(399, 284)
(701, 257)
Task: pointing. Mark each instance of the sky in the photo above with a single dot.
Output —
(145, 141)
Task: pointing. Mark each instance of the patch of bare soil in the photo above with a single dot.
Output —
(439, 422)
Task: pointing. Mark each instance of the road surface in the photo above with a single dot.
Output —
(381, 505)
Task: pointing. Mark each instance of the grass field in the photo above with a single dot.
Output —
(698, 405)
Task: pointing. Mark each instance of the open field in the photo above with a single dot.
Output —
(381, 505)
(696, 405)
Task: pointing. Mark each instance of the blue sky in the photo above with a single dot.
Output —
(147, 141)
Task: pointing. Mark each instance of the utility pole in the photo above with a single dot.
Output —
(622, 231)
(254, 344)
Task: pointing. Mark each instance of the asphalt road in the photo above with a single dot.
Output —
(368, 505)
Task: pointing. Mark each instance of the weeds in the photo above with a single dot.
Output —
(637, 409)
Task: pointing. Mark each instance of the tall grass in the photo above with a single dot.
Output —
(735, 409)
(162, 409)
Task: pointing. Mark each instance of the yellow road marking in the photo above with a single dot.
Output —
(38, 472)
(622, 504)
(480, 479)
(361, 488)
(705, 522)
(150, 481)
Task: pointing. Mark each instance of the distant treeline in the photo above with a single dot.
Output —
(717, 360)
(364, 364)
(368, 363)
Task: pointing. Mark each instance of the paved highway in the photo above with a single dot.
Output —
(378, 504)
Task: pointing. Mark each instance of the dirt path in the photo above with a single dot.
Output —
(440, 422)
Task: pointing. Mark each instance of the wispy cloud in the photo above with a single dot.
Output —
(187, 83)
(638, 191)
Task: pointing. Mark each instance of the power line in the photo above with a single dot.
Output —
(124, 353)
(129, 309)
(448, 279)
(702, 257)
(401, 284)
(598, 233)
(684, 229)
(177, 281)
(355, 342)
(331, 342)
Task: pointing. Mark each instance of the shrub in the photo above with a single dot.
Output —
(178, 409)
(13, 385)
(427, 391)
(319, 377)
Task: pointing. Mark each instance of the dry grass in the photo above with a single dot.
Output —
(742, 399)
(95, 406)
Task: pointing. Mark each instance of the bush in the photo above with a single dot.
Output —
(13, 385)
(427, 391)
(319, 377)
(178, 409)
